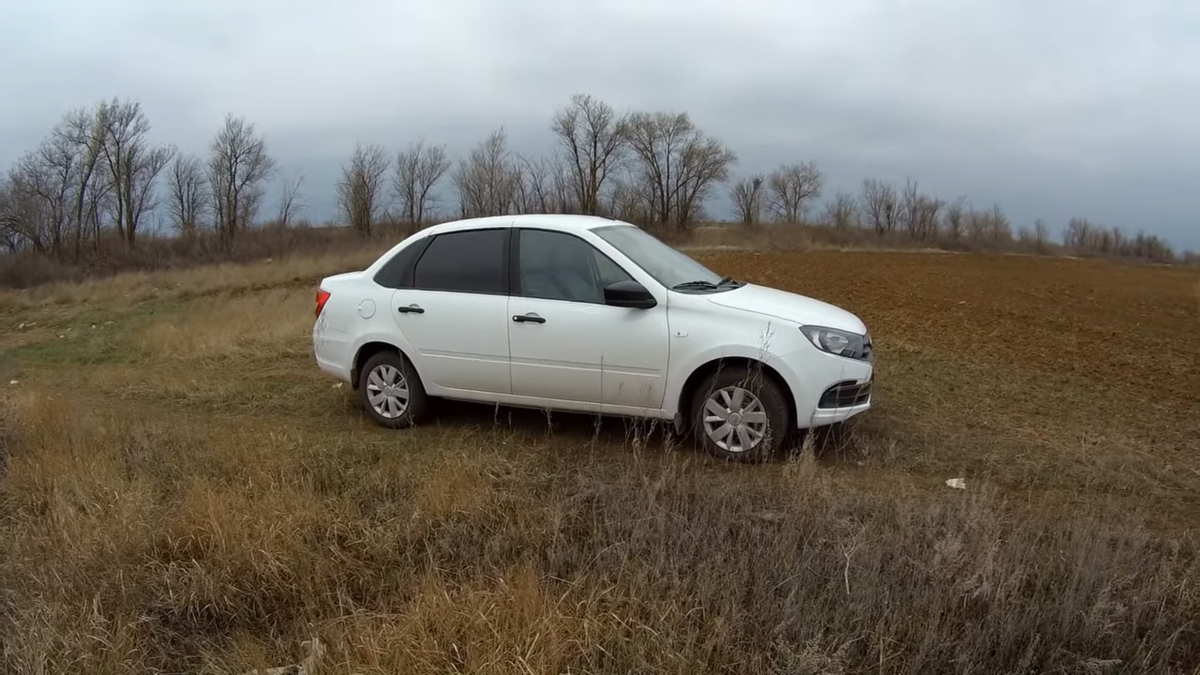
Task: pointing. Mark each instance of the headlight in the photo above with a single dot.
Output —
(840, 342)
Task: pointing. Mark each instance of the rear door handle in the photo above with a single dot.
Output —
(411, 309)
(530, 317)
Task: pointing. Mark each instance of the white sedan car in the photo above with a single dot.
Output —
(586, 314)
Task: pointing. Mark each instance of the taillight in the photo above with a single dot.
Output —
(322, 297)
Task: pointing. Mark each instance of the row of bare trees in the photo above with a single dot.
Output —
(365, 190)
(885, 209)
(99, 171)
(97, 167)
(655, 168)
(1085, 236)
(787, 194)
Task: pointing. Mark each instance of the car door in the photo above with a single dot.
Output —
(565, 344)
(455, 312)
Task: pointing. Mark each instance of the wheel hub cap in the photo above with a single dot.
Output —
(387, 391)
(735, 419)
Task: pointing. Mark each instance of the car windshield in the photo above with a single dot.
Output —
(668, 266)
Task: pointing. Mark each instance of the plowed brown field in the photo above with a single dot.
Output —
(182, 491)
(1054, 375)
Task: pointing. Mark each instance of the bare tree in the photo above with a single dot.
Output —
(188, 196)
(132, 163)
(84, 131)
(907, 208)
(238, 165)
(1041, 235)
(1080, 234)
(749, 199)
(25, 216)
(918, 213)
(593, 140)
(561, 195)
(487, 179)
(10, 233)
(139, 188)
(676, 166)
(360, 190)
(879, 202)
(43, 181)
(291, 200)
(954, 220)
(535, 187)
(976, 224)
(792, 187)
(418, 171)
(929, 210)
(841, 212)
(999, 227)
(631, 199)
(990, 226)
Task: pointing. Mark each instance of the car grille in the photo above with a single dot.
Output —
(846, 394)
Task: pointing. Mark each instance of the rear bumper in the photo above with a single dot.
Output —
(334, 369)
(331, 353)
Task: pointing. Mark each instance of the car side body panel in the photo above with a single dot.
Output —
(458, 340)
(590, 358)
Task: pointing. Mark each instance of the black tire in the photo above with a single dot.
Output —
(771, 399)
(417, 403)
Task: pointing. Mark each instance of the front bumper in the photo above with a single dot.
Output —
(847, 394)
(829, 389)
(842, 401)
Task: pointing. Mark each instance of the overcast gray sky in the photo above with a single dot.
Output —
(1051, 108)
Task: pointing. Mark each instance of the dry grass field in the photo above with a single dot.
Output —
(182, 491)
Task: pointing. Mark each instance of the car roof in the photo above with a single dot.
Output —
(567, 222)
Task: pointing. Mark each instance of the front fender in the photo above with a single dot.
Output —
(683, 370)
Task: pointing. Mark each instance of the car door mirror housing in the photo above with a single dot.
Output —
(628, 293)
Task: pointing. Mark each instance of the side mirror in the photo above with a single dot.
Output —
(628, 294)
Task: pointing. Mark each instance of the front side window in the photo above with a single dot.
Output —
(668, 266)
(467, 262)
(559, 266)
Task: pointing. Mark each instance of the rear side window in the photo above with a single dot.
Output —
(398, 272)
(466, 262)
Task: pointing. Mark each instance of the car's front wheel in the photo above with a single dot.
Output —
(740, 413)
(391, 391)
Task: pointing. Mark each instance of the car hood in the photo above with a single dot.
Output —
(788, 307)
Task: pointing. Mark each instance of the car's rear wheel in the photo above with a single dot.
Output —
(740, 413)
(391, 391)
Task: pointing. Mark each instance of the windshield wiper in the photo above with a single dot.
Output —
(729, 281)
(699, 283)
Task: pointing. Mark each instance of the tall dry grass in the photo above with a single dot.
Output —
(208, 503)
(137, 544)
(302, 270)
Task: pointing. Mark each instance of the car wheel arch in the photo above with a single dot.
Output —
(369, 349)
(704, 370)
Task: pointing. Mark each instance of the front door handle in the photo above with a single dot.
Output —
(530, 317)
(411, 309)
